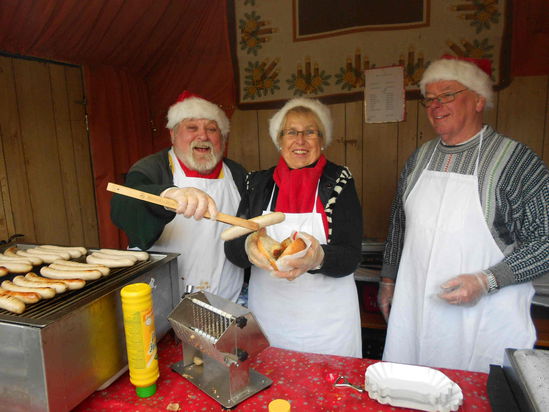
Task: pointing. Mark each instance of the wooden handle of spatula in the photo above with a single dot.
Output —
(172, 204)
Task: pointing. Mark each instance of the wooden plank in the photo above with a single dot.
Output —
(546, 125)
(243, 145)
(380, 176)
(82, 156)
(353, 132)
(268, 152)
(407, 134)
(425, 131)
(522, 111)
(8, 127)
(15, 162)
(65, 149)
(491, 115)
(5, 208)
(40, 149)
(336, 151)
(372, 320)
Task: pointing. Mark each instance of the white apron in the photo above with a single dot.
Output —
(313, 313)
(447, 235)
(202, 261)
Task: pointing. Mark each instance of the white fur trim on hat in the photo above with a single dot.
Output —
(322, 111)
(197, 108)
(468, 74)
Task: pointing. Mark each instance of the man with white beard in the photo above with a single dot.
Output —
(193, 172)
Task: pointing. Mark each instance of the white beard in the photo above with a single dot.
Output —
(207, 163)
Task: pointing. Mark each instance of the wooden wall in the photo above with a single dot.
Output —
(46, 181)
(376, 153)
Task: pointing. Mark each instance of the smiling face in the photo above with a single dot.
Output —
(459, 120)
(198, 143)
(300, 150)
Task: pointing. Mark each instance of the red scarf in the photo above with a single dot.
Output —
(193, 173)
(297, 189)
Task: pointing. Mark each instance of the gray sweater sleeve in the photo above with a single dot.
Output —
(522, 218)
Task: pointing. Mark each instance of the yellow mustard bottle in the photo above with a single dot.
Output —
(137, 309)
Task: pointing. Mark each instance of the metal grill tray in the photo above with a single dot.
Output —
(47, 311)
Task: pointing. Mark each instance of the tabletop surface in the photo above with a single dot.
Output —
(304, 379)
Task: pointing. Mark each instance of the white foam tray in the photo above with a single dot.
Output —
(410, 386)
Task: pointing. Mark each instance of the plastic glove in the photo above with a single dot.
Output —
(312, 260)
(385, 296)
(464, 289)
(192, 202)
(254, 255)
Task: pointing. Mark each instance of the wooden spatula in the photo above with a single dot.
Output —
(172, 204)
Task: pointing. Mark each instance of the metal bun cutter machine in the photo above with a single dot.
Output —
(219, 340)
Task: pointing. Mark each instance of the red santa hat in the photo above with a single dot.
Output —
(472, 73)
(192, 106)
(322, 111)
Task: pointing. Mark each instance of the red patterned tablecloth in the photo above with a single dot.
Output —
(300, 378)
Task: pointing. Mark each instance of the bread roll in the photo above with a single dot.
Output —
(274, 250)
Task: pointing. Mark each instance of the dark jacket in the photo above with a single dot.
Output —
(343, 251)
(144, 222)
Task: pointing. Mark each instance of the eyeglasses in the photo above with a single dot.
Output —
(441, 98)
(307, 133)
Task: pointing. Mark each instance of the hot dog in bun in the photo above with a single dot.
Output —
(274, 250)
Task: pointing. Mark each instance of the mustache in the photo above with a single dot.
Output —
(202, 145)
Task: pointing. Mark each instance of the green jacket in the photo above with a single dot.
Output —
(144, 222)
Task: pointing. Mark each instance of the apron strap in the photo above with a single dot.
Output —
(271, 199)
(479, 147)
(314, 201)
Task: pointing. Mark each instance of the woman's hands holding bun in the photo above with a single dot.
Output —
(263, 252)
(257, 257)
(312, 260)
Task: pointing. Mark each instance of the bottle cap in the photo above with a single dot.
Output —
(145, 391)
(279, 405)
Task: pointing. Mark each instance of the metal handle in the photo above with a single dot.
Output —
(342, 382)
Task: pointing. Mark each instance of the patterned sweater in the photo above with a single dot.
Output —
(514, 194)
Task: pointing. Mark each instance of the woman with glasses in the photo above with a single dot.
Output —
(313, 306)
(469, 232)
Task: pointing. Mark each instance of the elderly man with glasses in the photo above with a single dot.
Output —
(469, 232)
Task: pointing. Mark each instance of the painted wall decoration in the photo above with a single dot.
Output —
(290, 48)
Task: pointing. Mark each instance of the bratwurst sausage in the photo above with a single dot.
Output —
(82, 265)
(72, 284)
(12, 252)
(48, 255)
(45, 293)
(59, 287)
(109, 256)
(51, 273)
(264, 220)
(74, 251)
(136, 253)
(25, 297)
(16, 267)
(11, 304)
(111, 263)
